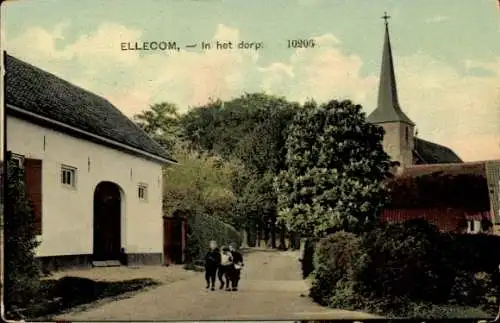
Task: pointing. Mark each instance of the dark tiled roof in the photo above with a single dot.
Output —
(461, 185)
(34, 90)
(427, 152)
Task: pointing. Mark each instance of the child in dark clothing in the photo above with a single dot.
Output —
(212, 262)
(236, 267)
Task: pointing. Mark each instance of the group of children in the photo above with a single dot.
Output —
(226, 264)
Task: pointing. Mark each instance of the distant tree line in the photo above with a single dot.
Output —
(238, 159)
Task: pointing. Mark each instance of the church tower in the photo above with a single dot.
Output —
(399, 129)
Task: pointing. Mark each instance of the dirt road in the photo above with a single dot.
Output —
(271, 289)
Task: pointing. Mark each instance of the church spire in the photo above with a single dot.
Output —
(388, 109)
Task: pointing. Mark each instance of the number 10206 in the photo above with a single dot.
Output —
(301, 43)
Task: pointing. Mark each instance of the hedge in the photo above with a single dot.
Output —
(22, 271)
(202, 229)
(476, 252)
(395, 266)
(409, 259)
(337, 260)
(468, 252)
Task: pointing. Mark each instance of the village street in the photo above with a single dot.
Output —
(271, 289)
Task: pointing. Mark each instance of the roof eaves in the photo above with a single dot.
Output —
(107, 141)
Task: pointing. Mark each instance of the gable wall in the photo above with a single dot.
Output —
(67, 214)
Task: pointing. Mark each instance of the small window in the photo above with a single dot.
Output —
(142, 192)
(18, 159)
(474, 226)
(68, 176)
(407, 135)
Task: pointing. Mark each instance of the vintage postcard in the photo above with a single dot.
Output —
(250, 160)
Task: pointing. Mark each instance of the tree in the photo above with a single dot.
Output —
(200, 184)
(335, 170)
(256, 205)
(161, 122)
(22, 272)
(262, 149)
(241, 127)
(253, 129)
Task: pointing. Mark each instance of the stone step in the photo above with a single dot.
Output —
(106, 263)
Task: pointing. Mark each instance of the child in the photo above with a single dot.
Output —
(212, 262)
(225, 268)
(236, 267)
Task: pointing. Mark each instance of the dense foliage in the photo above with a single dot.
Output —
(22, 272)
(247, 136)
(337, 259)
(476, 252)
(335, 170)
(252, 128)
(202, 229)
(408, 269)
(256, 202)
(409, 259)
(200, 183)
(161, 122)
(201, 188)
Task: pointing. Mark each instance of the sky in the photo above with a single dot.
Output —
(446, 53)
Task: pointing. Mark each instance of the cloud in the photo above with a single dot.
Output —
(37, 41)
(436, 19)
(322, 73)
(460, 111)
(326, 40)
(104, 45)
(130, 80)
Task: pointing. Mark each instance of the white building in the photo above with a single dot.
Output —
(94, 177)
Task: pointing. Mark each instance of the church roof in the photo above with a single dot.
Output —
(388, 108)
(30, 91)
(426, 152)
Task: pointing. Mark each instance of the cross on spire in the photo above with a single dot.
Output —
(386, 17)
(388, 109)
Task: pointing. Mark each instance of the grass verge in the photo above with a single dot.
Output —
(59, 295)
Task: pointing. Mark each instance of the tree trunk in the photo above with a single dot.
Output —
(273, 233)
(260, 236)
(257, 235)
(282, 245)
(294, 241)
(244, 238)
(266, 233)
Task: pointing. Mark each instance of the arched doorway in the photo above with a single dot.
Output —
(107, 222)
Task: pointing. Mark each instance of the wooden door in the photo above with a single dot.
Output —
(107, 222)
(33, 180)
(174, 240)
